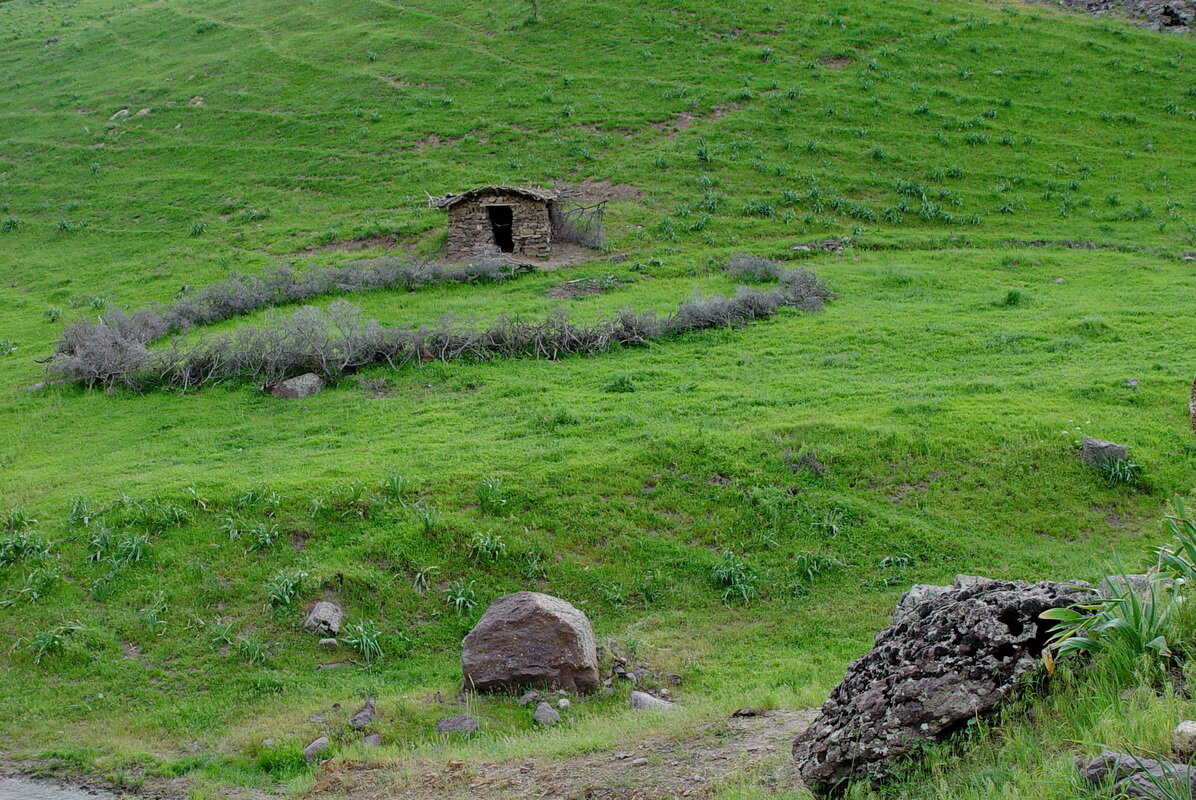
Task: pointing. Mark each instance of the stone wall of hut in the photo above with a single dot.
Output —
(470, 234)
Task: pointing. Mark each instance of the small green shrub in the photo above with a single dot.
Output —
(53, 641)
(365, 638)
(285, 588)
(262, 536)
(735, 578)
(491, 498)
(462, 596)
(429, 518)
(1120, 471)
(620, 384)
(252, 651)
(1014, 298)
(487, 547)
(23, 545)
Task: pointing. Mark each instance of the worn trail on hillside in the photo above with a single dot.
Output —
(653, 768)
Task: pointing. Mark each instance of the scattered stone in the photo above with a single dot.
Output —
(324, 618)
(1060, 280)
(1095, 452)
(618, 258)
(1138, 777)
(954, 656)
(37, 387)
(372, 740)
(312, 751)
(639, 762)
(318, 719)
(329, 642)
(1183, 739)
(530, 639)
(458, 723)
(546, 715)
(563, 703)
(529, 697)
(298, 388)
(642, 701)
(364, 715)
(1132, 382)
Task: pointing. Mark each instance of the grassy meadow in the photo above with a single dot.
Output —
(1012, 187)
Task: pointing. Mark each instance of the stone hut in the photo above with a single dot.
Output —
(499, 219)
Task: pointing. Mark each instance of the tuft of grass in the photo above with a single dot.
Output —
(365, 638)
(735, 578)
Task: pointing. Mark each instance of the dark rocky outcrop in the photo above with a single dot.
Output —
(1144, 778)
(1170, 14)
(948, 657)
(528, 639)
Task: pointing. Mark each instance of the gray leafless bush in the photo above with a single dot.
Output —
(242, 294)
(340, 341)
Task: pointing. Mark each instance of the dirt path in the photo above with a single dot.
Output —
(654, 768)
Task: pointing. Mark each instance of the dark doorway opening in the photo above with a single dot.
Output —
(501, 220)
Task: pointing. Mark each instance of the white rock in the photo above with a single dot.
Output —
(642, 701)
(1183, 739)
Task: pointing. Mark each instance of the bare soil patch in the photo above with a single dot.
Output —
(654, 768)
(835, 62)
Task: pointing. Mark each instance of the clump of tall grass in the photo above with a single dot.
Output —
(365, 638)
(735, 578)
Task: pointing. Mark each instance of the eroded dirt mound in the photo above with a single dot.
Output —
(654, 768)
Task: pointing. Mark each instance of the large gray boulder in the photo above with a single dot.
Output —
(528, 639)
(1144, 778)
(952, 656)
(1095, 452)
(298, 388)
(324, 618)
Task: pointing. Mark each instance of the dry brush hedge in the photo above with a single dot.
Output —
(115, 351)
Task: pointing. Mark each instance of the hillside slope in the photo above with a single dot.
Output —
(1010, 192)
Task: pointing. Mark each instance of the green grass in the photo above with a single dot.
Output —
(943, 390)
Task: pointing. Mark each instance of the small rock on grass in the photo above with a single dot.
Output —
(324, 618)
(313, 751)
(642, 701)
(528, 698)
(298, 388)
(563, 703)
(372, 740)
(458, 723)
(1095, 452)
(1183, 739)
(546, 715)
(364, 715)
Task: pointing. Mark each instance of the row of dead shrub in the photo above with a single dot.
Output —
(339, 341)
(243, 294)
